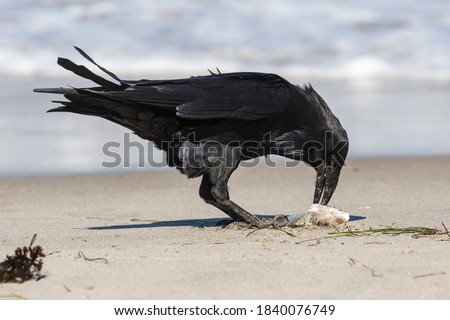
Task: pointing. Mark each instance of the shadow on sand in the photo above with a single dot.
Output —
(200, 223)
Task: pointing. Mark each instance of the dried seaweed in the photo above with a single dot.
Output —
(26, 264)
(353, 261)
(430, 275)
(446, 230)
(416, 232)
(81, 255)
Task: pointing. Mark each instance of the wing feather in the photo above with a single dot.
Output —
(244, 96)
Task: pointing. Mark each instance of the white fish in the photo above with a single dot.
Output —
(319, 215)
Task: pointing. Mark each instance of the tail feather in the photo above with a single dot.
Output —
(112, 75)
(60, 90)
(84, 72)
(110, 101)
(82, 104)
(146, 123)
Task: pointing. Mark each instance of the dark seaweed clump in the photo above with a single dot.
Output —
(25, 264)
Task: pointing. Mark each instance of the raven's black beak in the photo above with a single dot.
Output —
(320, 178)
(331, 181)
(326, 182)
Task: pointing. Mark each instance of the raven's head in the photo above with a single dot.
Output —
(329, 168)
(327, 147)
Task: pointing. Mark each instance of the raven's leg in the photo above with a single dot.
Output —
(214, 190)
(225, 204)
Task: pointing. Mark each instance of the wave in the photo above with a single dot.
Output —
(326, 39)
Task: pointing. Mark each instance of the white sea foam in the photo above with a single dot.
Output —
(328, 39)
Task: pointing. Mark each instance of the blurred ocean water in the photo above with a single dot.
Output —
(332, 39)
(382, 66)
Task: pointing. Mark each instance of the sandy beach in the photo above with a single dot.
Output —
(160, 241)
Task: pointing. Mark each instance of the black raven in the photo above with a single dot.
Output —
(208, 124)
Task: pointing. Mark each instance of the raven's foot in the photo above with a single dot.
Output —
(239, 225)
(260, 223)
(236, 224)
(280, 221)
(277, 222)
(226, 222)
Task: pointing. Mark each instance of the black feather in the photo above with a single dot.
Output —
(112, 75)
